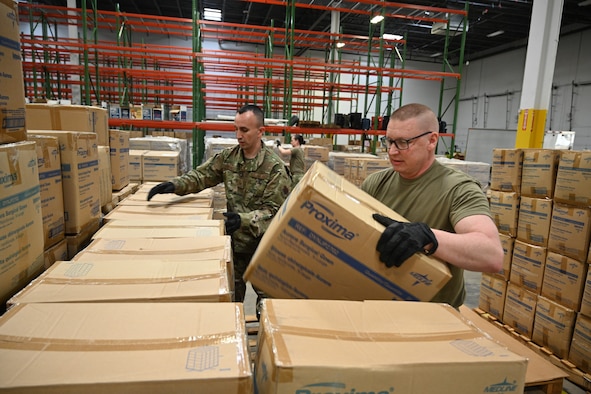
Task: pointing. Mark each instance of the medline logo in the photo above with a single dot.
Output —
(420, 278)
(336, 388)
(326, 217)
(503, 387)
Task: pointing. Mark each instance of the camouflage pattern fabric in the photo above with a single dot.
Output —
(255, 189)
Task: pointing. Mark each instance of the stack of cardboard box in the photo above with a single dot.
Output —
(22, 231)
(540, 200)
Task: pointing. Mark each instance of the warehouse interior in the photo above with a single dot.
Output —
(111, 99)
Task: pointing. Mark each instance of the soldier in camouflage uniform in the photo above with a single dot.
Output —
(256, 183)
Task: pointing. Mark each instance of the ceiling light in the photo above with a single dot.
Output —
(212, 14)
(495, 33)
(387, 36)
(377, 19)
(436, 54)
(340, 44)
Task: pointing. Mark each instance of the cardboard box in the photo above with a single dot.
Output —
(586, 297)
(187, 201)
(493, 291)
(573, 178)
(570, 230)
(539, 172)
(58, 252)
(80, 177)
(21, 221)
(527, 266)
(520, 309)
(313, 346)
(12, 104)
(322, 244)
(358, 168)
(70, 118)
(160, 249)
(122, 348)
(129, 281)
(83, 118)
(336, 160)
(313, 152)
(534, 220)
(564, 280)
(119, 154)
(136, 165)
(504, 207)
(203, 199)
(39, 116)
(77, 242)
(160, 165)
(159, 210)
(506, 170)
(580, 347)
(507, 243)
(51, 188)
(158, 229)
(553, 326)
(205, 194)
(105, 188)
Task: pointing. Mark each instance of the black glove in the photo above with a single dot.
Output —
(161, 188)
(278, 143)
(232, 222)
(401, 240)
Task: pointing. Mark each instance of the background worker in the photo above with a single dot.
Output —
(448, 211)
(297, 163)
(256, 184)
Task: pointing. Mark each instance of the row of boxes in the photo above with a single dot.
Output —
(112, 292)
(541, 205)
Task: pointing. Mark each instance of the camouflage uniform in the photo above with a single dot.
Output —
(255, 189)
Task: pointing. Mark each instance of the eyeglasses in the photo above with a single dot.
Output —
(401, 143)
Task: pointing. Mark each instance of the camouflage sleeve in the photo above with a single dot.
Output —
(256, 222)
(206, 175)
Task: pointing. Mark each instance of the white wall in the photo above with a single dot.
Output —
(491, 91)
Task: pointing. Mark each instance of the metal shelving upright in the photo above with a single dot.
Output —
(211, 79)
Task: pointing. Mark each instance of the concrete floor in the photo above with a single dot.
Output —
(472, 297)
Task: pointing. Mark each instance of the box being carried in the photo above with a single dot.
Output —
(328, 346)
(322, 244)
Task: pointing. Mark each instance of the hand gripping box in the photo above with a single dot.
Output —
(127, 347)
(322, 244)
(336, 346)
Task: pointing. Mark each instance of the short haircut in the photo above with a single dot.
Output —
(258, 113)
(411, 111)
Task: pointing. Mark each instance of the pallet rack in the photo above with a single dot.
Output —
(125, 72)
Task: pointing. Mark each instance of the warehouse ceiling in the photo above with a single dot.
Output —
(509, 19)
